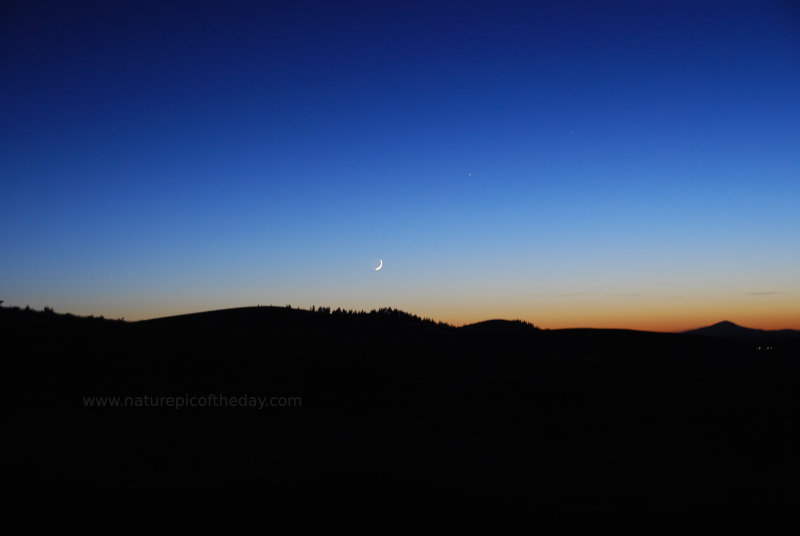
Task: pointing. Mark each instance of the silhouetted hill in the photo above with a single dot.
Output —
(498, 325)
(384, 407)
(292, 318)
(726, 329)
(763, 339)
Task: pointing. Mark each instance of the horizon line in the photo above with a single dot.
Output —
(371, 310)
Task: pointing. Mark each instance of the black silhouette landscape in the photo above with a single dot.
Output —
(331, 407)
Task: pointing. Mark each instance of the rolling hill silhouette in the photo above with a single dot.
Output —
(383, 406)
(772, 339)
(725, 329)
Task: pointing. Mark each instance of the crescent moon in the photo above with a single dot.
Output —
(380, 265)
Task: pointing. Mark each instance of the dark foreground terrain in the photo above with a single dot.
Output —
(385, 408)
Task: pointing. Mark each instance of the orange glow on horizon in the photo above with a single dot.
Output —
(664, 314)
(667, 315)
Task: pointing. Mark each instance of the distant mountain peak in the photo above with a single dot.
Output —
(726, 324)
(728, 329)
(760, 338)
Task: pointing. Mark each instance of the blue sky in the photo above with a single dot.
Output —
(630, 164)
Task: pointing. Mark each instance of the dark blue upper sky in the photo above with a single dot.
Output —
(566, 162)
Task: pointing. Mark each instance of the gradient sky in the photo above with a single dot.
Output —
(573, 164)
